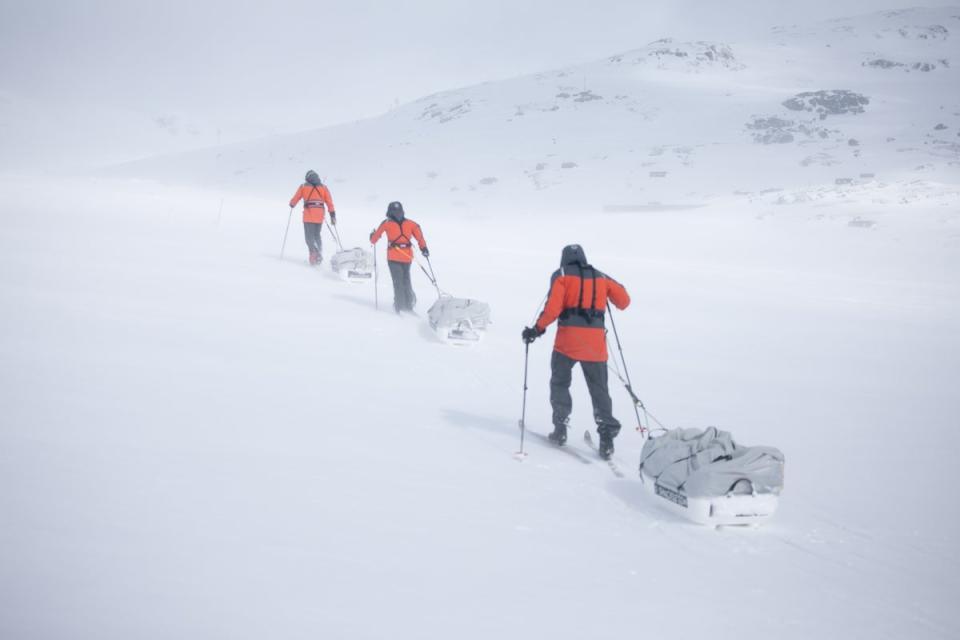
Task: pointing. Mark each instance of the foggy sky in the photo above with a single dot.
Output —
(285, 66)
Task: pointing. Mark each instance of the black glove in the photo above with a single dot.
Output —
(425, 252)
(530, 334)
(333, 218)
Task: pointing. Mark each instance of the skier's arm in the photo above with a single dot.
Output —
(328, 199)
(375, 236)
(554, 306)
(419, 237)
(617, 294)
(296, 197)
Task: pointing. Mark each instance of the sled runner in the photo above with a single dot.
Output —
(353, 265)
(704, 476)
(459, 321)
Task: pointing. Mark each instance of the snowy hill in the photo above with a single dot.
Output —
(199, 439)
(873, 99)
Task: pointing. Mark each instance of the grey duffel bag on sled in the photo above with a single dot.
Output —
(703, 475)
(354, 265)
(459, 320)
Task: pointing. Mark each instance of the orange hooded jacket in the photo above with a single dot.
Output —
(316, 202)
(401, 236)
(578, 298)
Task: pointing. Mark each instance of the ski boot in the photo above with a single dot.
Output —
(313, 258)
(605, 449)
(559, 435)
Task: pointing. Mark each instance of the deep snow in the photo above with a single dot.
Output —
(201, 439)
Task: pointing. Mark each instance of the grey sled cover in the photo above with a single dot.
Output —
(708, 463)
(448, 311)
(356, 259)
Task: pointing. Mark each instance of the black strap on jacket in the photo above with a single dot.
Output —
(591, 313)
(396, 244)
(314, 203)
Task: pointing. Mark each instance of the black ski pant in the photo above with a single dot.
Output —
(403, 296)
(311, 231)
(595, 373)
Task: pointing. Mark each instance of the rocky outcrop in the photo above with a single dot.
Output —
(682, 56)
(831, 102)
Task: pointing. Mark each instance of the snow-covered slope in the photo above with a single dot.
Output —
(201, 440)
(873, 99)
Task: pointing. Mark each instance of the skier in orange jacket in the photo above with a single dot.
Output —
(578, 300)
(401, 232)
(316, 202)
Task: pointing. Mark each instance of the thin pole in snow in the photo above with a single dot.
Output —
(284, 245)
(433, 276)
(636, 401)
(523, 412)
(376, 278)
(335, 236)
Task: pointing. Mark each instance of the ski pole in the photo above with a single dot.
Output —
(636, 401)
(336, 233)
(376, 278)
(523, 411)
(430, 278)
(284, 245)
(433, 276)
(335, 236)
(526, 362)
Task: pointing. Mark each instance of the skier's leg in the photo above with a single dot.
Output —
(396, 276)
(308, 237)
(319, 242)
(316, 236)
(561, 369)
(410, 296)
(595, 374)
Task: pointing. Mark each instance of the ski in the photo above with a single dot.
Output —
(564, 449)
(610, 463)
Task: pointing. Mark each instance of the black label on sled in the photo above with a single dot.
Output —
(671, 495)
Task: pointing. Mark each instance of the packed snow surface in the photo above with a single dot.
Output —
(200, 438)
